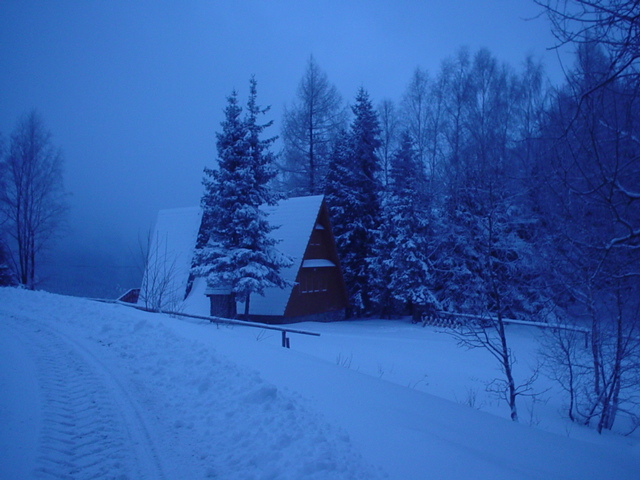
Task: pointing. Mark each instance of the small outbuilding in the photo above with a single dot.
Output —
(316, 290)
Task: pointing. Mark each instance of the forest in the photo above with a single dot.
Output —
(482, 191)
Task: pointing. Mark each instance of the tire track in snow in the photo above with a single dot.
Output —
(208, 416)
(92, 428)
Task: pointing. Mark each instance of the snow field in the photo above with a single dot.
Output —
(409, 433)
(118, 393)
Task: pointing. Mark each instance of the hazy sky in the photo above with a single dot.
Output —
(133, 92)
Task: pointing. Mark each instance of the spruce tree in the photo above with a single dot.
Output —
(402, 249)
(353, 191)
(235, 248)
(343, 203)
(339, 192)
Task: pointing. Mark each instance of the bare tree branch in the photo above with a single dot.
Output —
(33, 200)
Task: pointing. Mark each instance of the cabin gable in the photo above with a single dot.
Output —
(319, 292)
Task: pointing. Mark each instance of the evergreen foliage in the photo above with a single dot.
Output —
(510, 201)
(7, 276)
(353, 195)
(235, 249)
(457, 209)
(485, 226)
(403, 246)
(343, 203)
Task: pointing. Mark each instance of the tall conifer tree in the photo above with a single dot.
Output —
(353, 190)
(310, 126)
(401, 261)
(235, 248)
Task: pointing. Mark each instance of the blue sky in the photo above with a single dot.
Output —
(133, 92)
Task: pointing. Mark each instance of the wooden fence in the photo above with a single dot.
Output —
(453, 320)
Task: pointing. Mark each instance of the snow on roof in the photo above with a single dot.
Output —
(176, 233)
(295, 219)
(169, 259)
(317, 263)
(197, 302)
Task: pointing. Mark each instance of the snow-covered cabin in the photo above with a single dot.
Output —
(316, 287)
(170, 253)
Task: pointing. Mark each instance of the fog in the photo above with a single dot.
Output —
(133, 93)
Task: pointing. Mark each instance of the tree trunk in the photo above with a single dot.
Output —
(572, 393)
(614, 396)
(312, 166)
(246, 307)
(595, 348)
(506, 365)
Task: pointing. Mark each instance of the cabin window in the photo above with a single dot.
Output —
(314, 280)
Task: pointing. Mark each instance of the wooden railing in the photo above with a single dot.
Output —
(286, 341)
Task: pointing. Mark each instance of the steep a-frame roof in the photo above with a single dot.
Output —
(294, 219)
(171, 248)
(176, 232)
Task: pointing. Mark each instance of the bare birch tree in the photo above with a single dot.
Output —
(7, 276)
(491, 270)
(33, 200)
(612, 24)
(456, 104)
(416, 111)
(161, 289)
(593, 161)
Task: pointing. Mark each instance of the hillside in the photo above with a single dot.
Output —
(94, 390)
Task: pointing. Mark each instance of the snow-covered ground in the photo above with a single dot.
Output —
(91, 390)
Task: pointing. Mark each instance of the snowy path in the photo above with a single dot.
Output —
(20, 415)
(91, 427)
(120, 396)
